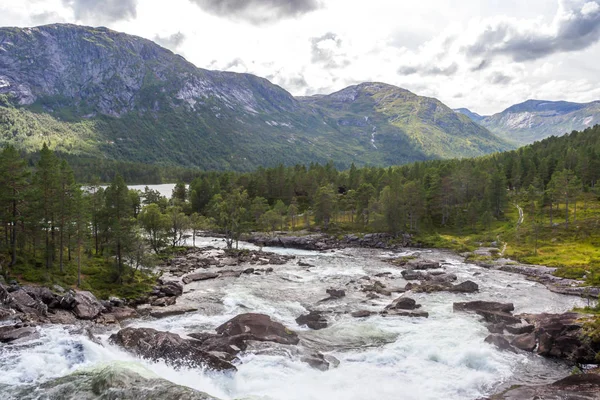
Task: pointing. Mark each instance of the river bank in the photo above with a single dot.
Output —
(371, 334)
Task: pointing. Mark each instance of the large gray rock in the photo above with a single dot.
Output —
(199, 276)
(526, 341)
(260, 327)
(173, 349)
(484, 306)
(500, 342)
(11, 333)
(403, 303)
(87, 306)
(574, 387)
(314, 320)
(112, 382)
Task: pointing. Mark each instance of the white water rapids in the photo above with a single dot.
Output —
(381, 358)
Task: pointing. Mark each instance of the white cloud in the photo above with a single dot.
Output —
(481, 55)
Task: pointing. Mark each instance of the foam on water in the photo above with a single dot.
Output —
(442, 357)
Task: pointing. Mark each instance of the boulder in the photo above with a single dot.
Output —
(122, 313)
(260, 327)
(573, 387)
(405, 313)
(423, 265)
(519, 329)
(41, 293)
(495, 328)
(484, 306)
(500, 342)
(173, 349)
(163, 302)
(336, 293)
(320, 361)
(498, 317)
(314, 320)
(361, 313)
(171, 288)
(87, 305)
(412, 275)
(465, 287)
(526, 341)
(169, 311)
(14, 332)
(199, 276)
(403, 303)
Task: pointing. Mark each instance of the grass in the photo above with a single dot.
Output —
(98, 276)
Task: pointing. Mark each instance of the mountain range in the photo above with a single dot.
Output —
(534, 120)
(94, 92)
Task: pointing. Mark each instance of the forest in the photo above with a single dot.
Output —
(105, 238)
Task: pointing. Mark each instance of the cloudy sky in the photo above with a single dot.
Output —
(482, 54)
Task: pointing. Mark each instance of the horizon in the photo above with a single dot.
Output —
(483, 57)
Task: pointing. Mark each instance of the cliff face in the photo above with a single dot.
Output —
(94, 91)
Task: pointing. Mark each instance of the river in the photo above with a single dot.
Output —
(441, 357)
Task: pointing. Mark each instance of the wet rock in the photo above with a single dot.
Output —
(412, 275)
(500, 342)
(320, 361)
(305, 264)
(249, 271)
(526, 341)
(163, 302)
(231, 273)
(361, 313)
(63, 317)
(377, 287)
(260, 327)
(495, 328)
(11, 333)
(199, 276)
(444, 278)
(87, 305)
(519, 329)
(498, 317)
(116, 381)
(573, 387)
(422, 265)
(403, 303)
(336, 293)
(171, 288)
(41, 293)
(465, 287)
(169, 311)
(169, 347)
(123, 313)
(483, 306)
(314, 320)
(405, 313)
(562, 336)
(372, 296)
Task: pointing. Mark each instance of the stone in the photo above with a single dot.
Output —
(361, 313)
(260, 327)
(123, 313)
(483, 305)
(498, 317)
(87, 305)
(164, 301)
(11, 333)
(403, 303)
(500, 342)
(336, 293)
(63, 317)
(168, 347)
(573, 387)
(405, 313)
(465, 287)
(519, 329)
(495, 328)
(526, 341)
(170, 311)
(199, 276)
(314, 320)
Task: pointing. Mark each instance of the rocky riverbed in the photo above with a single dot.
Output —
(299, 324)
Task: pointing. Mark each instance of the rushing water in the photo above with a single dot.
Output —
(442, 357)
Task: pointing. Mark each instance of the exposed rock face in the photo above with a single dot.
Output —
(259, 327)
(110, 382)
(403, 303)
(157, 345)
(574, 387)
(500, 342)
(18, 331)
(199, 276)
(87, 305)
(525, 341)
(483, 306)
(314, 320)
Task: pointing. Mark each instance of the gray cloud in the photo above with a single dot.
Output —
(237, 62)
(498, 78)
(258, 12)
(102, 11)
(576, 26)
(171, 41)
(331, 55)
(428, 70)
(481, 66)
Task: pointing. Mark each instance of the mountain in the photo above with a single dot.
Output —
(472, 115)
(94, 92)
(534, 120)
